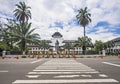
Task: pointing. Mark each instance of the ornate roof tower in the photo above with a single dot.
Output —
(57, 35)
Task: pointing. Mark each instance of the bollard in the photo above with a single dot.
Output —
(119, 56)
(17, 57)
(3, 54)
(37, 57)
(74, 56)
(3, 57)
(101, 56)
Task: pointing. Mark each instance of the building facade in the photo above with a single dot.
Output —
(115, 48)
(56, 44)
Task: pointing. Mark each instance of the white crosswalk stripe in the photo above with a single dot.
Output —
(66, 76)
(3, 71)
(60, 72)
(65, 81)
(32, 76)
(103, 75)
(64, 71)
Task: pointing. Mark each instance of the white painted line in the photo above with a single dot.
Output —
(103, 75)
(3, 71)
(66, 81)
(61, 72)
(32, 76)
(111, 64)
(35, 61)
(61, 68)
(32, 72)
(66, 76)
(86, 75)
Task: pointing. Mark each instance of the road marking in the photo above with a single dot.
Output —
(3, 71)
(66, 76)
(35, 61)
(111, 64)
(32, 76)
(51, 67)
(65, 81)
(61, 72)
(63, 64)
(103, 75)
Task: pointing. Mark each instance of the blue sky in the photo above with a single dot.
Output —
(49, 16)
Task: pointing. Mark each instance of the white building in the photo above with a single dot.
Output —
(56, 43)
(115, 48)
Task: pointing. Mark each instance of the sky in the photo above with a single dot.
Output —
(49, 16)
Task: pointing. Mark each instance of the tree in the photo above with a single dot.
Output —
(84, 40)
(9, 29)
(83, 18)
(23, 35)
(44, 44)
(22, 32)
(4, 34)
(68, 46)
(87, 40)
(22, 12)
(2, 29)
(99, 45)
(108, 44)
(3, 46)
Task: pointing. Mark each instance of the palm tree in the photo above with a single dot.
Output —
(83, 18)
(83, 40)
(23, 35)
(88, 42)
(22, 12)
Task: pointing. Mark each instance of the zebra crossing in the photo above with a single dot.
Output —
(59, 71)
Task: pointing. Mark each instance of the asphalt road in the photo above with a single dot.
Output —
(60, 71)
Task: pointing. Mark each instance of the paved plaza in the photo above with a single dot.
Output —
(60, 71)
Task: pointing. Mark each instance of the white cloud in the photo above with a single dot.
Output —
(7, 6)
(47, 12)
(104, 36)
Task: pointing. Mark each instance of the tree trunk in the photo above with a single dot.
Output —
(84, 46)
(84, 31)
(23, 46)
